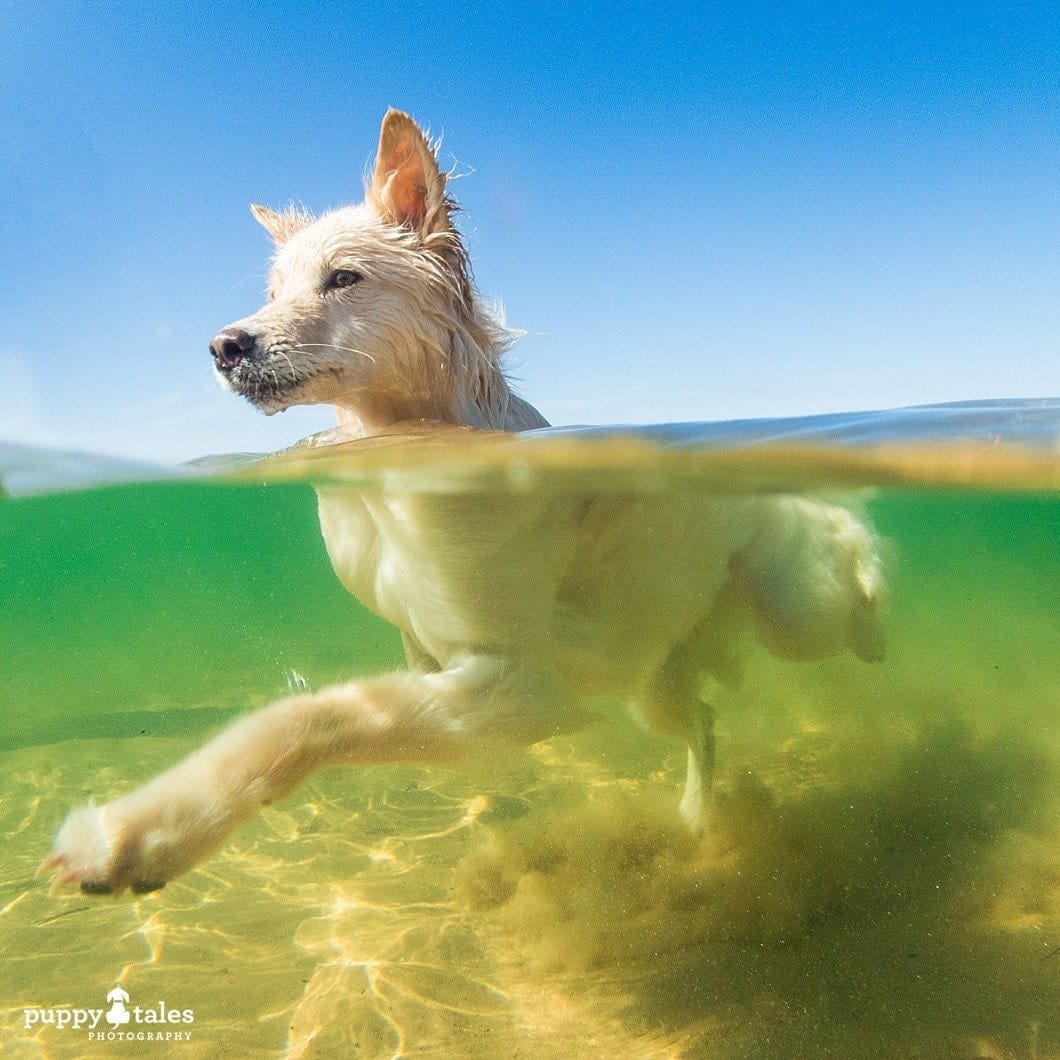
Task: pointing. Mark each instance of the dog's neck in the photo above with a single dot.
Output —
(448, 373)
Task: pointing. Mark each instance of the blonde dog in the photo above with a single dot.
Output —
(516, 608)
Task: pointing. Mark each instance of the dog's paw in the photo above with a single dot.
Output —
(101, 854)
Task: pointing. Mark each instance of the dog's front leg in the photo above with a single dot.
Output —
(143, 839)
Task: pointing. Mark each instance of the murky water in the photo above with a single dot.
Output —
(879, 874)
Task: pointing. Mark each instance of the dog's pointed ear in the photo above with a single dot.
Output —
(280, 226)
(407, 188)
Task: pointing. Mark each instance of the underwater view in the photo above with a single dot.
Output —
(877, 876)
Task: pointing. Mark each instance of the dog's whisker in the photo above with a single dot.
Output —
(332, 346)
(290, 365)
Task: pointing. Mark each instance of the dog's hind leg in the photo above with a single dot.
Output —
(162, 829)
(699, 777)
(813, 581)
(673, 703)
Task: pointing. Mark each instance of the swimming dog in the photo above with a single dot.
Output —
(515, 609)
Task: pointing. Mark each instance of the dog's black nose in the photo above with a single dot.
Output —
(231, 346)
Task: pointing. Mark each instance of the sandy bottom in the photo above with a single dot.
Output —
(864, 890)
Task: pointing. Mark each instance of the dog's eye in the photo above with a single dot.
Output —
(342, 278)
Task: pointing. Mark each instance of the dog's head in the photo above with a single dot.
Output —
(370, 307)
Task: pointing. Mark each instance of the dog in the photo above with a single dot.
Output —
(516, 608)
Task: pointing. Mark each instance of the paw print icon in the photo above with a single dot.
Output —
(117, 1014)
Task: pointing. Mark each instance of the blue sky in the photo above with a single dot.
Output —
(694, 211)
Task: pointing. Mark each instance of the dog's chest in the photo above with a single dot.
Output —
(361, 556)
(397, 567)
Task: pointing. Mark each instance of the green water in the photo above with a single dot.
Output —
(879, 879)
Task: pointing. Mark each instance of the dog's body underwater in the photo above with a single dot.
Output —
(514, 607)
